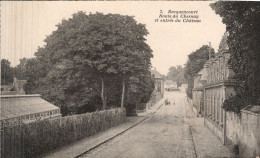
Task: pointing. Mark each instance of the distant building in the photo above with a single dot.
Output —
(197, 91)
(183, 87)
(159, 88)
(159, 81)
(18, 85)
(15, 89)
(26, 109)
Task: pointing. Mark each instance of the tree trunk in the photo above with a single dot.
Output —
(103, 94)
(123, 94)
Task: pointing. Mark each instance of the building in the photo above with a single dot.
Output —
(219, 87)
(15, 88)
(214, 84)
(158, 90)
(159, 81)
(183, 87)
(26, 109)
(197, 91)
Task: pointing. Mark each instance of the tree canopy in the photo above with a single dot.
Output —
(242, 21)
(176, 74)
(7, 72)
(90, 57)
(195, 63)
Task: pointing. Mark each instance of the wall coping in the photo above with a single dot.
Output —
(220, 83)
(18, 96)
(198, 89)
(248, 108)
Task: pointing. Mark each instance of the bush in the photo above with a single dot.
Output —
(234, 103)
(30, 140)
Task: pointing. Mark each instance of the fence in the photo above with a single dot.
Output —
(39, 137)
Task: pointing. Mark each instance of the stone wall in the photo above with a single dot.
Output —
(244, 131)
(197, 95)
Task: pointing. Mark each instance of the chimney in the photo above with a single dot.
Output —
(209, 50)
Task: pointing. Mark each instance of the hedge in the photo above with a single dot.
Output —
(34, 139)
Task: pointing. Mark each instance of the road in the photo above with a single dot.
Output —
(165, 134)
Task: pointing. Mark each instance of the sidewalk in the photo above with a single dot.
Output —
(206, 143)
(75, 149)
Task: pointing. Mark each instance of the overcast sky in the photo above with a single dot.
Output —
(24, 26)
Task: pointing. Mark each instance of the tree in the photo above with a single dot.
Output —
(176, 74)
(90, 55)
(242, 24)
(195, 63)
(19, 70)
(6, 72)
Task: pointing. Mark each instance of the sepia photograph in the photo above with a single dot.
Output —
(130, 79)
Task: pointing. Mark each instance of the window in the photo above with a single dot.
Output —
(27, 117)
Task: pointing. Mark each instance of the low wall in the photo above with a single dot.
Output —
(244, 131)
(34, 139)
(191, 103)
(214, 128)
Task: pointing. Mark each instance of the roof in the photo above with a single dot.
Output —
(223, 46)
(19, 105)
(156, 74)
(198, 74)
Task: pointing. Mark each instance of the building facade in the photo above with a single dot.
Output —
(158, 90)
(212, 85)
(215, 83)
(197, 92)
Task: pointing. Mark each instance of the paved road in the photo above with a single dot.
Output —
(165, 134)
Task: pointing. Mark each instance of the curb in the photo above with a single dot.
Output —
(120, 133)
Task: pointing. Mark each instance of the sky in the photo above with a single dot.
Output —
(25, 25)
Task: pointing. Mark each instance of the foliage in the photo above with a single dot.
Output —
(234, 103)
(140, 89)
(34, 139)
(6, 72)
(195, 63)
(90, 57)
(176, 74)
(242, 24)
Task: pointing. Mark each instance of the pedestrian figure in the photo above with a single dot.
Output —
(166, 102)
(169, 103)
